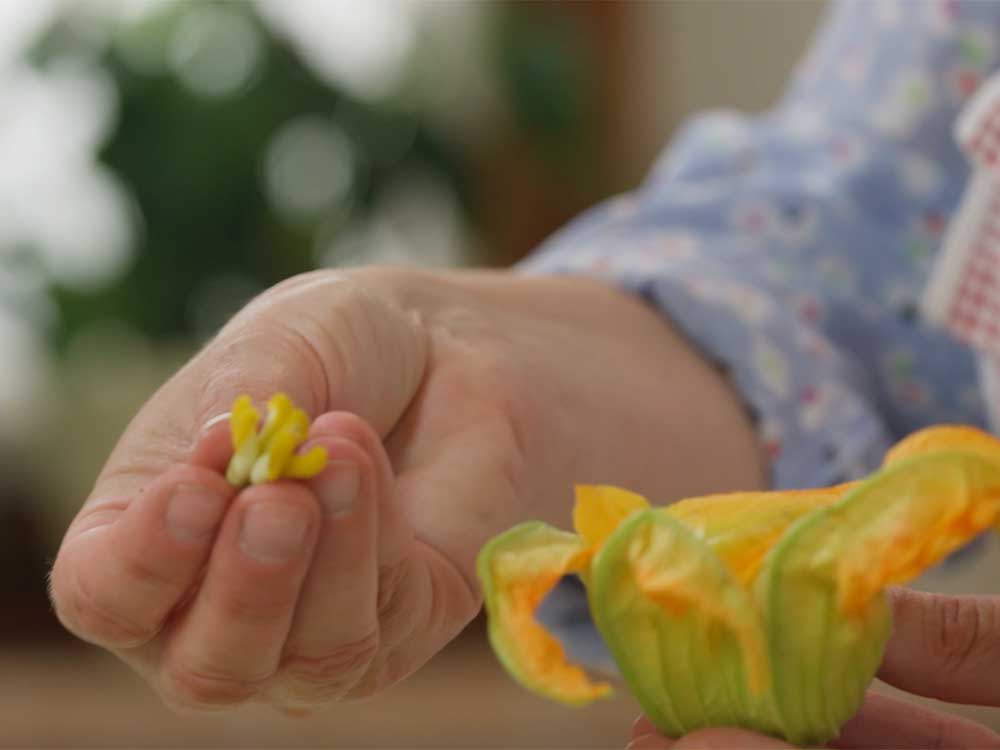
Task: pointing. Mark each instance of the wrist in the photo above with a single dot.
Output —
(616, 395)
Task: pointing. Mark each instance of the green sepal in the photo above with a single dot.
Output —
(825, 642)
(685, 635)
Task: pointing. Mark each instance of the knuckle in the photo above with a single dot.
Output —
(393, 605)
(517, 415)
(257, 606)
(141, 574)
(293, 283)
(358, 431)
(289, 341)
(189, 689)
(100, 626)
(323, 677)
(89, 616)
(390, 580)
(962, 630)
(391, 669)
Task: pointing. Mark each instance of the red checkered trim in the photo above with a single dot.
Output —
(984, 141)
(974, 314)
(980, 136)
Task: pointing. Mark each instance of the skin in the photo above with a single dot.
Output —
(944, 647)
(453, 406)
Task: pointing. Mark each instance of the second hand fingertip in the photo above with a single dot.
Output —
(648, 741)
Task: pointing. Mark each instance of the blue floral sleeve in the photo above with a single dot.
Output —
(792, 247)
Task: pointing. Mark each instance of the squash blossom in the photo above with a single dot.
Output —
(268, 453)
(765, 610)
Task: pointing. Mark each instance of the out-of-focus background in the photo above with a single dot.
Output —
(162, 162)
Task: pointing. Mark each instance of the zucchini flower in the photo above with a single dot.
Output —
(765, 610)
(269, 454)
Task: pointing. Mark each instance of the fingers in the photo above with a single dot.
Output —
(642, 727)
(709, 739)
(345, 430)
(945, 647)
(649, 741)
(120, 572)
(213, 447)
(884, 721)
(645, 735)
(228, 644)
(335, 633)
(323, 338)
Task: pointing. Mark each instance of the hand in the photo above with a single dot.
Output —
(453, 406)
(944, 647)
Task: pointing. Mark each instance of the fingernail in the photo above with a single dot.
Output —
(193, 512)
(648, 741)
(215, 420)
(338, 489)
(273, 532)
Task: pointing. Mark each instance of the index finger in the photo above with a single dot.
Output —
(945, 647)
(884, 721)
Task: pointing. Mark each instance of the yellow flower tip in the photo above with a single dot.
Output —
(600, 509)
(743, 527)
(944, 437)
(242, 421)
(907, 553)
(269, 454)
(951, 486)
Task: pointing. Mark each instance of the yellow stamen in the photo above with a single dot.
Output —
(243, 421)
(306, 465)
(270, 454)
(279, 408)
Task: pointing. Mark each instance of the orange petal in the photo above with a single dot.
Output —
(910, 516)
(741, 527)
(517, 570)
(600, 509)
(944, 437)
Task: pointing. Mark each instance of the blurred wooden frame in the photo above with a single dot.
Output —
(521, 201)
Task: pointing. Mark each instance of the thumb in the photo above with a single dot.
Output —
(330, 340)
(945, 647)
(726, 738)
(644, 735)
(650, 741)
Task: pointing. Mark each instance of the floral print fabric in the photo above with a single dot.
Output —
(793, 247)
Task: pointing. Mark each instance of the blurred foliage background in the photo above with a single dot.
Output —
(162, 161)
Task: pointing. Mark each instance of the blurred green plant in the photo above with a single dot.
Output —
(547, 65)
(240, 160)
(195, 166)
